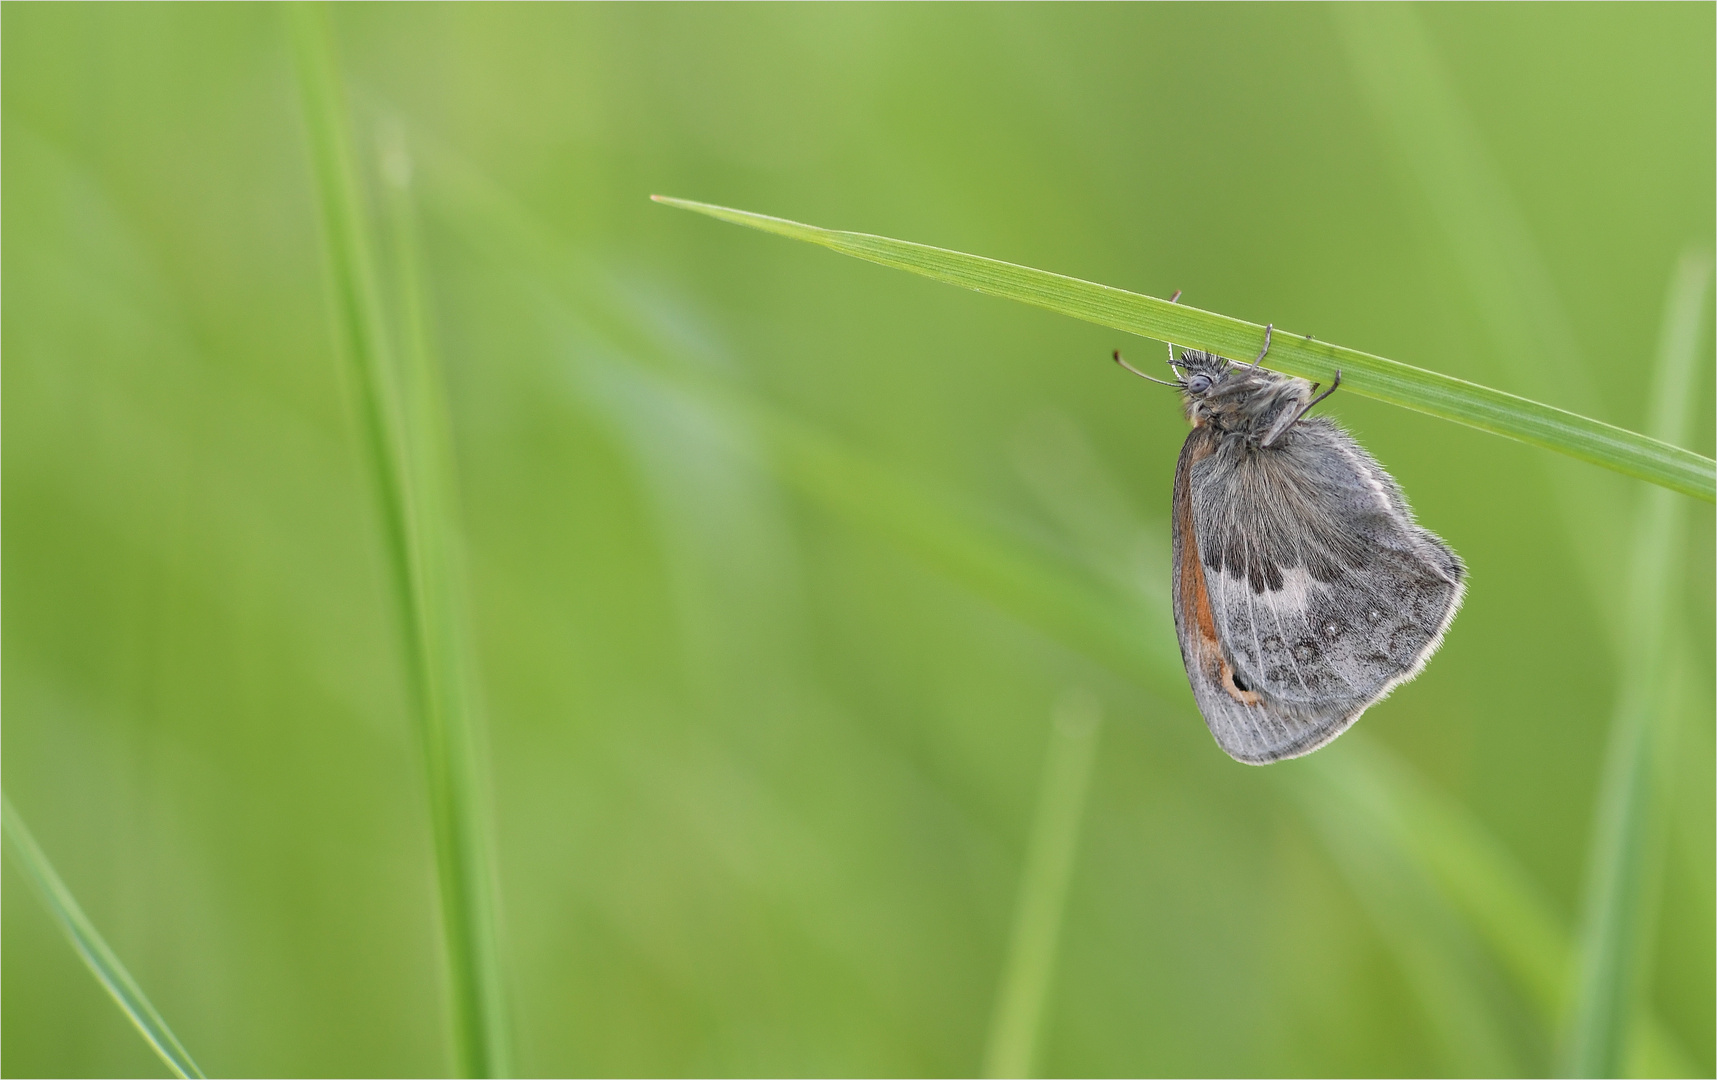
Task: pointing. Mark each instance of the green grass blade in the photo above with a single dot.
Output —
(455, 745)
(1030, 966)
(1386, 380)
(1627, 835)
(406, 442)
(90, 945)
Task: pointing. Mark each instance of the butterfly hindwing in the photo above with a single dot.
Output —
(1314, 592)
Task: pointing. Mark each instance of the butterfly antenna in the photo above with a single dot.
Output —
(1267, 328)
(1141, 374)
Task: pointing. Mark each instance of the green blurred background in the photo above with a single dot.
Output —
(765, 747)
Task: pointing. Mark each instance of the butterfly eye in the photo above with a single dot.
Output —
(1198, 383)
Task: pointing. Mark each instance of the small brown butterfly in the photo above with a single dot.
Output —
(1303, 589)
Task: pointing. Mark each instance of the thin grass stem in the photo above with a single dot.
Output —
(1017, 1024)
(92, 947)
(405, 435)
(1373, 376)
(1627, 837)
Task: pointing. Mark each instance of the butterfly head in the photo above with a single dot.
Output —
(1234, 397)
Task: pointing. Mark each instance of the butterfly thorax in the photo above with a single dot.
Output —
(1240, 399)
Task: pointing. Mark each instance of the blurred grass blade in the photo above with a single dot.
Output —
(1438, 856)
(1380, 810)
(1628, 833)
(1030, 966)
(1129, 636)
(1373, 376)
(1398, 68)
(959, 541)
(1454, 872)
(1350, 802)
(406, 440)
(1442, 154)
(100, 959)
(455, 735)
(1454, 851)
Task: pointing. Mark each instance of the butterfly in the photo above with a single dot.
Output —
(1304, 591)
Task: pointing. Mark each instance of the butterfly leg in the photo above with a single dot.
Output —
(1278, 430)
(1175, 299)
(1260, 358)
(1333, 387)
